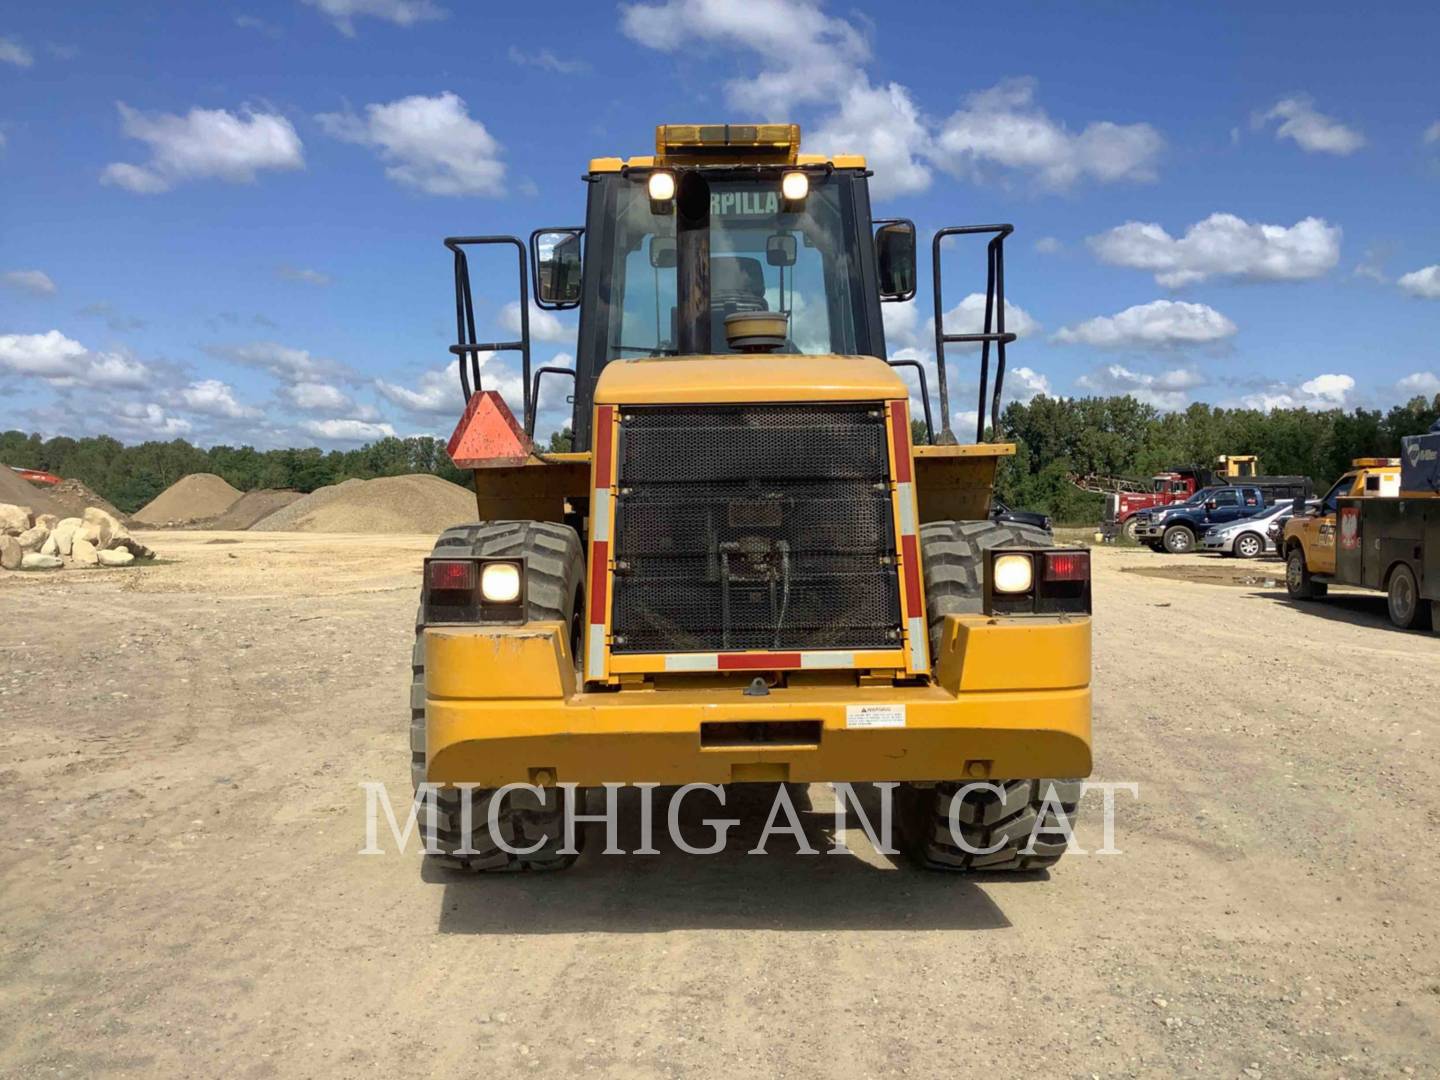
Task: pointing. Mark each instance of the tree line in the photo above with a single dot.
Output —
(1056, 438)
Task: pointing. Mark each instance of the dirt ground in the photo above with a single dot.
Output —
(181, 753)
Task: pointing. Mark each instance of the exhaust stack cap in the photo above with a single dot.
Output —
(757, 331)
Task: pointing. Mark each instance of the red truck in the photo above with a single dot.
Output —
(1125, 498)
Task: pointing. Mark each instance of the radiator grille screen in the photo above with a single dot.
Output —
(754, 527)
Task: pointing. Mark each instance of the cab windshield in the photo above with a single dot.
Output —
(1342, 487)
(762, 258)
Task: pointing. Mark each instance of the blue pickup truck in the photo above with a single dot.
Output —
(1178, 527)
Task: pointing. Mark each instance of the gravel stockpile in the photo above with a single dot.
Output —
(191, 498)
(251, 507)
(287, 518)
(418, 503)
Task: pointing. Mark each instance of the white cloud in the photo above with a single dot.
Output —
(544, 326)
(1223, 245)
(1168, 390)
(285, 363)
(400, 12)
(1048, 245)
(1421, 382)
(1320, 392)
(547, 61)
(12, 52)
(1028, 383)
(304, 275)
(883, 123)
(318, 397)
(32, 281)
(204, 144)
(347, 430)
(1158, 324)
(62, 361)
(438, 392)
(1312, 131)
(429, 143)
(1424, 282)
(150, 420)
(806, 54)
(1002, 126)
(968, 317)
(213, 398)
(1432, 133)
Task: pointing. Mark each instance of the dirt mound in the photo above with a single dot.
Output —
(251, 507)
(75, 497)
(15, 489)
(191, 498)
(418, 503)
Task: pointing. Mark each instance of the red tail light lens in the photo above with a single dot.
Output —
(1067, 566)
(453, 576)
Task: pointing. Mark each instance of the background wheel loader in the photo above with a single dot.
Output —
(755, 565)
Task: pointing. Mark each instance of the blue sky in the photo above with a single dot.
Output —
(223, 221)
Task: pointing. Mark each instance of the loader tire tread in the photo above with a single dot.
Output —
(1004, 821)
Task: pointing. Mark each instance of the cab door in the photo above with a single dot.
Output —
(1224, 507)
(1318, 530)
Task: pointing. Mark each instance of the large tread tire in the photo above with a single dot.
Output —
(952, 557)
(554, 585)
(1005, 822)
(1131, 529)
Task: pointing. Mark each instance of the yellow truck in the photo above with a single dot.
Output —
(755, 564)
(1376, 528)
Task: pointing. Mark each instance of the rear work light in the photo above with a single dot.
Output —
(1058, 582)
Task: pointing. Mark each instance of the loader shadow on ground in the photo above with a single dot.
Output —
(730, 890)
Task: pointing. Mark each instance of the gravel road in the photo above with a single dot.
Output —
(181, 753)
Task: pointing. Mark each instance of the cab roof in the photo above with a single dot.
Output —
(726, 144)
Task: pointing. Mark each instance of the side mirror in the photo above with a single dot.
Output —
(663, 252)
(895, 254)
(780, 250)
(555, 255)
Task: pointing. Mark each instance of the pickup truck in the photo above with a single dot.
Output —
(1377, 528)
(1178, 528)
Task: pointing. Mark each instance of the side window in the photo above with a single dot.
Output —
(1227, 498)
(1342, 487)
(1252, 498)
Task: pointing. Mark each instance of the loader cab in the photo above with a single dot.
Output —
(810, 260)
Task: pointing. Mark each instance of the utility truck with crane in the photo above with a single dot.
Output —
(746, 569)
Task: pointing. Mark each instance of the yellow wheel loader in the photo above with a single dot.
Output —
(754, 565)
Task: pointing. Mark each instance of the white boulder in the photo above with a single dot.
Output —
(10, 552)
(117, 557)
(64, 534)
(50, 547)
(32, 539)
(83, 553)
(33, 560)
(14, 519)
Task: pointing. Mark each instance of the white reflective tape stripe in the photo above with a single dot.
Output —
(595, 656)
(905, 496)
(600, 515)
(706, 661)
(916, 627)
(827, 660)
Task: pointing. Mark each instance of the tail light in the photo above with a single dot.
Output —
(452, 575)
(1059, 582)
